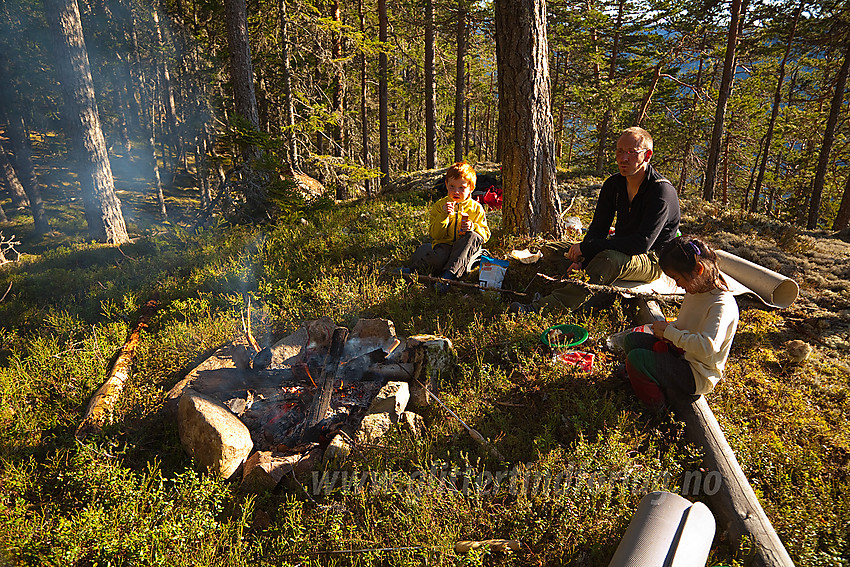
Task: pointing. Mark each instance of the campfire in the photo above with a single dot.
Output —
(320, 386)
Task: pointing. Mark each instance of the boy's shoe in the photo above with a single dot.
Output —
(398, 271)
(441, 287)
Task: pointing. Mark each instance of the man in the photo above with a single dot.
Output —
(646, 207)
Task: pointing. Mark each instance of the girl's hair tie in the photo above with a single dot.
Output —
(695, 247)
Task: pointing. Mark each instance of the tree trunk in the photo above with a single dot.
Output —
(842, 219)
(21, 172)
(241, 69)
(604, 125)
(466, 116)
(286, 76)
(644, 107)
(24, 167)
(102, 207)
(722, 99)
(460, 79)
(167, 93)
(338, 84)
(531, 203)
(774, 112)
(725, 199)
(828, 138)
(430, 93)
(383, 95)
(160, 197)
(364, 119)
(686, 154)
(203, 168)
(11, 181)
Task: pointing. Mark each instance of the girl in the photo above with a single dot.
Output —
(685, 357)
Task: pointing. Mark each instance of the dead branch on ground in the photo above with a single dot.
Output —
(457, 283)
(8, 245)
(100, 407)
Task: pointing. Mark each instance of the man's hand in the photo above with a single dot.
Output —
(574, 253)
(449, 207)
(575, 266)
(658, 328)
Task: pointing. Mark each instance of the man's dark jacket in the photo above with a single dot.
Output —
(649, 222)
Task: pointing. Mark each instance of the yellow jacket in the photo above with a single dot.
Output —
(445, 228)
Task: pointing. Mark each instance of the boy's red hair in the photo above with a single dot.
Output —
(462, 170)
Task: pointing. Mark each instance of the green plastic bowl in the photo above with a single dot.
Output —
(579, 335)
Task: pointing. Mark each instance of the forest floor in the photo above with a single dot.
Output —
(131, 496)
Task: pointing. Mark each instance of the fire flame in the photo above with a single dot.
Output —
(307, 369)
(396, 342)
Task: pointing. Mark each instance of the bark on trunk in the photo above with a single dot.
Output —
(605, 123)
(338, 86)
(20, 172)
(286, 75)
(241, 69)
(25, 169)
(460, 81)
(166, 92)
(722, 99)
(102, 207)
(11, 181)
(531, 203)
(828, 138)
(774, 112)
(683, 176)
(842, 219)
(364, 123)
(430, 93)
(644, 107)
(383, 95)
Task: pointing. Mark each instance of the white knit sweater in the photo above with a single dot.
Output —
(704, 330)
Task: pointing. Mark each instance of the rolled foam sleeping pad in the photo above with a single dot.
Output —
(666, 531)
(772, 288)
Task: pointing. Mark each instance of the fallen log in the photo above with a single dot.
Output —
(734, 503)
(100, 406)
(458, 283)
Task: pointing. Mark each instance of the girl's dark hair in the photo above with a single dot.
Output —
(681, 255)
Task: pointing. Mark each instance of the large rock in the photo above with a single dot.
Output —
(264, 470)
(391, 399)
(434, 358)
(413, 422)
(215, 438)
(385, 410)
(373, 427)
(338, 449)
(378, 330)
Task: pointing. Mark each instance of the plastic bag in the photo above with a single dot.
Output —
(581, 359)
(525, 256)
(615, 341)
(492, 272)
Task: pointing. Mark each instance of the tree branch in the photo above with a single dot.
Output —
(611, 289)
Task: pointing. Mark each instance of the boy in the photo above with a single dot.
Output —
(458, 229)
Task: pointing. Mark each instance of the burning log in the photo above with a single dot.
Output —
(356, 368)
(322, 399)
